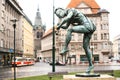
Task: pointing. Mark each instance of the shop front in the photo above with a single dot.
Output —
(83, 58)
(6, 56)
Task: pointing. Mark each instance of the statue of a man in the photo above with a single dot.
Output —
(81, 24)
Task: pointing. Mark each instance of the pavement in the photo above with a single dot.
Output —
(105, 63)
(43, 68)
(5, 66)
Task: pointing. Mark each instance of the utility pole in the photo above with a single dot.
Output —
(14, 26)
(53, 45)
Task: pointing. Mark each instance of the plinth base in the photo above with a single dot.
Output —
(102, 77)
(87, 75)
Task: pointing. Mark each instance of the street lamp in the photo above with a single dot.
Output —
(14, 26)
(53, 45)
(35, 55)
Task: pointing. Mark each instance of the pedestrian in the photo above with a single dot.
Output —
(80, 24)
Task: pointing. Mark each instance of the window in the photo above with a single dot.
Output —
(105, 17)
(41, 34)
(38, 36)
(105, 36)
(104, 26)
(79, 37)
(80, 46)
(83, 58)
(62, 46)
(2, 13)
(95, 36)
(3, 2)
(101, 36)
(95, 46)
(73, 37)
(1, 43)
(101, 27)
(96, 57)
(8, 32)
(2, 28)
(104, 46)
(72, 47)
(62, 37)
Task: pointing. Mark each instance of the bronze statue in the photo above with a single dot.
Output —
(81, 24)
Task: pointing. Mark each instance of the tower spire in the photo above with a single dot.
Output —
(38, 8)
(38, 20)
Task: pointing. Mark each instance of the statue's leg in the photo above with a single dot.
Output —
(67, 41)
(86, 46)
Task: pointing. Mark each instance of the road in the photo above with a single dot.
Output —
(41, 68)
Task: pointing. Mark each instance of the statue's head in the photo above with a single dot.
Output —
(60, 12)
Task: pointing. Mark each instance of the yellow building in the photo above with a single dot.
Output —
(28, 41)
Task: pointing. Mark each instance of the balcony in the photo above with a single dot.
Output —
(105, 51)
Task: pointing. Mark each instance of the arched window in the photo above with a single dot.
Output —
(41, 34)
(38, 36)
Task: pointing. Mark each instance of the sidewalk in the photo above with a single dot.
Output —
(110, 63)
(8, 66)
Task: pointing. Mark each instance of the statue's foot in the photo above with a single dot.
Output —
(89, 69)
(64, 51)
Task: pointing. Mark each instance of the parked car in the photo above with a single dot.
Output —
(37, 60)
(59, 63)
(114, 59)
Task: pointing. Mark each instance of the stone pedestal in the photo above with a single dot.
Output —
(102, 77)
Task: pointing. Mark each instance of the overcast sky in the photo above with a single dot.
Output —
(46, 9)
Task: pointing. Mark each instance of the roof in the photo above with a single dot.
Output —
(103, 11)
(91, 3)
(49, 32)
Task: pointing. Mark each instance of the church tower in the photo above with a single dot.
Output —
(39, 30)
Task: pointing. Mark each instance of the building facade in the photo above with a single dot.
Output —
(9, 10)
(46, 42)
(116, 47)
(100, 44)
(28, 40)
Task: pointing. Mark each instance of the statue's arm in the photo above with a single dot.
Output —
(65, 20)
(66, 25)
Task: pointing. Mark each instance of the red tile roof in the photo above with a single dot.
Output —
(49, 32)
(91, 3)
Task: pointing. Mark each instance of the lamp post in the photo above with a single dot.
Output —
(53, 45)
(35, 55)
(14, 26)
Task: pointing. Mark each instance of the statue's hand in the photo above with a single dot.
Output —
(57, 32)
(58, 28)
